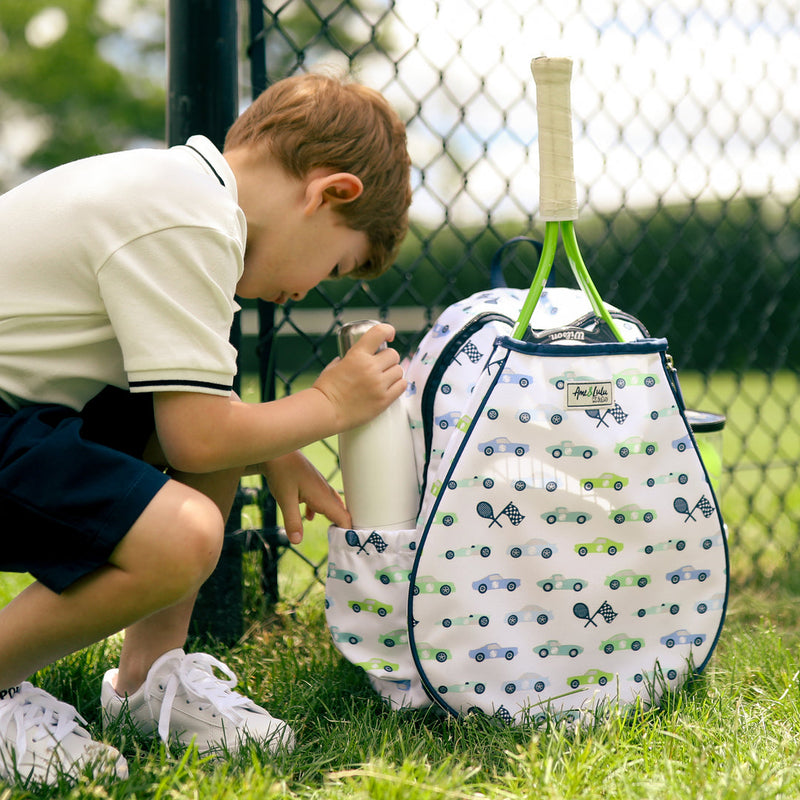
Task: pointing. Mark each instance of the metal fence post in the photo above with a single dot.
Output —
(203, 93)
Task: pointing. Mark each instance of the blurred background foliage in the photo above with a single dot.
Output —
(77, 78)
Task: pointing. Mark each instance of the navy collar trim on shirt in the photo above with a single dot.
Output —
(210, 165)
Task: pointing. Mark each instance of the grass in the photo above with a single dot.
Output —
(732, 733)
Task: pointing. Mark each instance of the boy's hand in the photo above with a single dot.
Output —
(366, 381)
(294, 480)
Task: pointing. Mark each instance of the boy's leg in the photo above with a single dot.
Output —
(149, 638)
(160, 688)
(162, 561)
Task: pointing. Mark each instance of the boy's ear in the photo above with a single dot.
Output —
(341, 187)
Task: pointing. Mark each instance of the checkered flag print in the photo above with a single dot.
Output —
(513, 514)
(617, 413)
(471, 352)
(607, 612)
(376, 541)
(705, 506)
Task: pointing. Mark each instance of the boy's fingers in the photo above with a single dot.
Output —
(375, 337)
(293, 524)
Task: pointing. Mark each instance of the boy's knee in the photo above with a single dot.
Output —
(175, 544)
(197, 541)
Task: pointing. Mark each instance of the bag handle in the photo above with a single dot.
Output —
(558, 204)
(496, 278)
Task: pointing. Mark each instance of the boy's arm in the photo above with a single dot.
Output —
(205, 433)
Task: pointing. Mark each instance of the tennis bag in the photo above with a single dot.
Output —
(569, 554)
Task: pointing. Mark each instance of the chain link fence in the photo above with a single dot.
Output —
(686, 126)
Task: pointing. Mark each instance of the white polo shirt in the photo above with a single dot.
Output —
(120, 269)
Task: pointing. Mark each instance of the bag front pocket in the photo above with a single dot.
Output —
(366, 605)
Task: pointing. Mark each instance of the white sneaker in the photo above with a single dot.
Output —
(41, 741)
(184, 700)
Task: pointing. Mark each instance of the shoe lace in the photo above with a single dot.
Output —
(197, 677)
(34, 708)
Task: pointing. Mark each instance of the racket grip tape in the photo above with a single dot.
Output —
(558, 200)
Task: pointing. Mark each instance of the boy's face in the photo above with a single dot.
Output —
(292, 260)
(296, 238)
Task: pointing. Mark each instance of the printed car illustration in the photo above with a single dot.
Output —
(427, 584)
(543, 413)
(493, 650)
(714, 603)
(529, 613)
(371, 605)
(712, 541)
(509, 376)
(621, 641)
(669, 544)
(444, 421)
(549, 485)
(568, 448)
(662, 608)
(664, 412)
(552, 647)
(399, 636)
(683, 637)
(687, 573)
(634, 445)
(683, 444)
(530, 680)
(439, 329)
(378, 663)
(467, 686)
(608, 480)
(426, 652)
(670, 477)
(502, 444)
(344, 636)
(471, 619)
(533, 547)
(590, 677)
(634, 377)
(341, 574)
(558, 581)
(392, 574)
(627, 577)
(561, 514)
(654, 676)
(600, 545)
(476, 480)
(444, 518)
(464, 422)
(561, 380)
(632, 513)
(495, 581)
(463, 552)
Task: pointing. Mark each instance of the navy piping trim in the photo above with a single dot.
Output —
(601, 349)
(210, 165)
(167, 382)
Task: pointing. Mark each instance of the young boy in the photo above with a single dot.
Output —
(121, 442)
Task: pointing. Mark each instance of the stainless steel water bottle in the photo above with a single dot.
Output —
(377, 460)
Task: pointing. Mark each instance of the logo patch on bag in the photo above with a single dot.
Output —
(590, 394)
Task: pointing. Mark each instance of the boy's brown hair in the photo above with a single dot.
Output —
(311, 121)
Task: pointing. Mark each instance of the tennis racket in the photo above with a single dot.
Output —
(558, 203)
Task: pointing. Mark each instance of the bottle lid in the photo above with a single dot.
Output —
(351, 332)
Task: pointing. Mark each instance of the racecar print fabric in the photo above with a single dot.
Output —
(366, 606)
(574, 555)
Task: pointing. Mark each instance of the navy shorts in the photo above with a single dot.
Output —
(73, 483)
